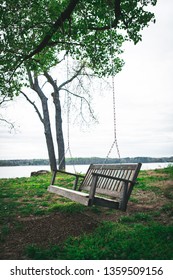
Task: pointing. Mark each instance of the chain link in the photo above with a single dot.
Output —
(68, 119)
(115, 142)
(115, 118)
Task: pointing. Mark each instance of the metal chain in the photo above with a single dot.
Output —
(68, 118)
(115, 118)
(115, 142)
(68, 122)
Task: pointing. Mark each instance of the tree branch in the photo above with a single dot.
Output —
(117, 11)
(3, 102)
(4, 99)
(51, 81)
(73, 77)
(54, 43)
(82, 99)
(30, 78)
(9, 123)
(33, 104)
(58, 23)
(117, 8)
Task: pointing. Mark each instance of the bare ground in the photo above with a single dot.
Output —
(43, 231)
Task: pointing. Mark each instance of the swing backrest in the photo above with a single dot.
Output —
(109, 186)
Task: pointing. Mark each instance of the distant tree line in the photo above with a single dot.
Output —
(82, 161)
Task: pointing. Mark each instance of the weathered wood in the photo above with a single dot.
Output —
(77, 196)
(92, 190)
(76, 181)
(53, 177)
(103, 191)
(112, 177)
(100, 201)
(77, 176)
(123, 197)
(69, 173)
(135, 175)
(115, 181)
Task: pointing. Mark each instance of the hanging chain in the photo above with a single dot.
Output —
(68, 118)
(115, 119)
(68, 108)
(115, 142)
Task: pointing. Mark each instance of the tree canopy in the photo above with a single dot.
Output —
(34, 32)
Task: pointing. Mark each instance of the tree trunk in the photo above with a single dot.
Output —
(47, 126)
(59, 130)
(48, 135)
(58, 122)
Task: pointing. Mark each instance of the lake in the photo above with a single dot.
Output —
(25, 171)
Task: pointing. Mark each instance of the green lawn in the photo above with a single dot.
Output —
(145, 231)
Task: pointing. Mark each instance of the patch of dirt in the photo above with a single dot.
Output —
(43, 231)
(155, 174)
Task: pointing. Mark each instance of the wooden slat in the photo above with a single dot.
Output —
(108, 192)
(77, 196)
(123, 175)
(100, 179)
(111, 182)
(115, 166)
(104, 191)
(118, 184)
(106, 202)
(88, 177)
(136, 172)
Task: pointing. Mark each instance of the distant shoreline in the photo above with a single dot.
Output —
(84, 161)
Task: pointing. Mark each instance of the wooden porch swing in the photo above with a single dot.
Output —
(108, 185)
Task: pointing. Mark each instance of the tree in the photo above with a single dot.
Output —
(80, 93)
(34, 33)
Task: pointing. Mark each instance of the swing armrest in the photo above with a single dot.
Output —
(68, 173)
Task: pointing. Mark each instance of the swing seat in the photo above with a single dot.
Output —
(104, 185)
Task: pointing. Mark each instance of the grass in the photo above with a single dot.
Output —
(138, 217)
(113, 241)
(29, 196)
(168, 209)
(138, 235)
(68, 207)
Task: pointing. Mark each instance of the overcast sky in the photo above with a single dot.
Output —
(144, 105)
